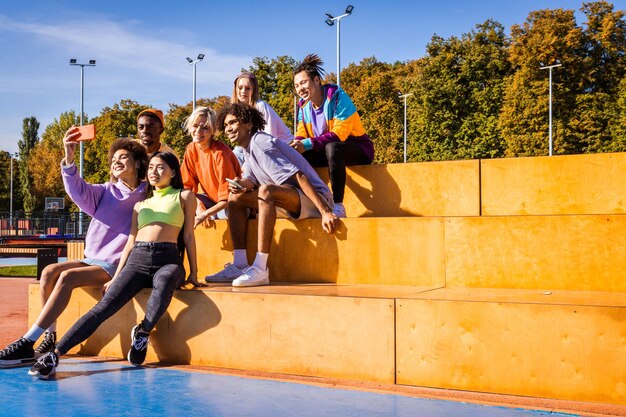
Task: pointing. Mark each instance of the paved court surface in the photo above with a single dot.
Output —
(114, 388)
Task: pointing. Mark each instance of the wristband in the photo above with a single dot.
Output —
(308, 144)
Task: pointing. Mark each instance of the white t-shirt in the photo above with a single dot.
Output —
(274, 125)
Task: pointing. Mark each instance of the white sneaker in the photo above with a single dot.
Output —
(340, 210)
(252, 277)
(228, 274)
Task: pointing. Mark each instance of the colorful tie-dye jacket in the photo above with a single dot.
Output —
(342, 118)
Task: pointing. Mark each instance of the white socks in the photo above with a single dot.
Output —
(34, 333)
(261, 260)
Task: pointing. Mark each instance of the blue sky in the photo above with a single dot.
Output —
(140, 47)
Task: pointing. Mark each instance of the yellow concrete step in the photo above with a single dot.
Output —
(312, 330)
(551, 344)
(572, 184)
(400, 251)
(449, 188)
(561, 344)
(578, 252)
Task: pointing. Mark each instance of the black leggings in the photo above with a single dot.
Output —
(336, 156)
(155, 265)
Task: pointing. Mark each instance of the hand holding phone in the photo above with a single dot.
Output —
(87, 132)
(235, 183)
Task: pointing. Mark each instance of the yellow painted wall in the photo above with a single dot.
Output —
(449, 188)
(290, 334)
(572, 184)
(573, 352)
(551, 252)
(401, 251)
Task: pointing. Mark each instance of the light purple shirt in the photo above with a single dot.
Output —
(111, 207)
(270, 161)
(318, 120)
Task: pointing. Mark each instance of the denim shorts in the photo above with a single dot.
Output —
(108, 267)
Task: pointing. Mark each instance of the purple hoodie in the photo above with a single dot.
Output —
(111, 207)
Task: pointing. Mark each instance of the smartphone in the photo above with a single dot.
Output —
(87, 132)
(235, 183)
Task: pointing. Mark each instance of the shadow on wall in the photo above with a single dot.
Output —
(318, 259)
(198, 314)
(371, 191)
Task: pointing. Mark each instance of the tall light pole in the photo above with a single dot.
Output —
(194, 62)
(92, 63)
(405, 96)
(549, 68)
(330, 22)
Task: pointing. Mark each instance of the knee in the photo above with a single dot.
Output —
(48, 277)
(266, 193)
(66, 281)
(332, 150)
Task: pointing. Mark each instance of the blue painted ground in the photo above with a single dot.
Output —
(114, 388)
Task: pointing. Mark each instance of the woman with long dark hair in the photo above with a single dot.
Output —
(152, 258)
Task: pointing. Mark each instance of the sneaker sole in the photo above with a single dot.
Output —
(16, 363)
(220, 280)
(250, 284)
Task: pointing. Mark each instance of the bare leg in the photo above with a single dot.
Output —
(50, 275)
(80, 275)
(238, 205)
(270, 196)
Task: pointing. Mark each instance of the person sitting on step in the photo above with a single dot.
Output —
(110, 205)
(161, 230)
(276, 178)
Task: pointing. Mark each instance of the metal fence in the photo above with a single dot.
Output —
(42, 224)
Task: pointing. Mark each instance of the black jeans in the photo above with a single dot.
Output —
(336, 156)
(155, 265)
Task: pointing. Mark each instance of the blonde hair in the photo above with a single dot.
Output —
(209, 113)
(254, 97)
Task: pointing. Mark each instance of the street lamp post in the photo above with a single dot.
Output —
(330, 22)
(92, 63)
(194, 62)
(405, 96)
(549, 68)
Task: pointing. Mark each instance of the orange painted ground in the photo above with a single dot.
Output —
(13, 324)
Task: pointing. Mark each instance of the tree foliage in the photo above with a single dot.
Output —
(30, 138)
(45, 158)
(480, 95)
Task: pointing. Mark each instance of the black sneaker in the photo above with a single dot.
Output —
(47, 344)
(46, 366)
(139, 345)
(18, 353)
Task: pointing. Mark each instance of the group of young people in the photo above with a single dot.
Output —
(143, 219)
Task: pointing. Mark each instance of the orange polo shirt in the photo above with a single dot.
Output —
(209, 168)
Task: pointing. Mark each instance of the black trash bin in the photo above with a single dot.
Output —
(46, 257)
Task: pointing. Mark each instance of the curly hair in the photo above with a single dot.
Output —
(244, 114)
(136, 150)
(254, 97)
(209, 113)
(312, 65)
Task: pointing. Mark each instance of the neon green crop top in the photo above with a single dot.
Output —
(163, 207)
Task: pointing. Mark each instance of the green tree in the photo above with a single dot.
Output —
(5, 183)
(45, 158)
(459, 94)
(545, 37)
(275, 78)
(29, 139)
(112, 123)
(373, 91)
